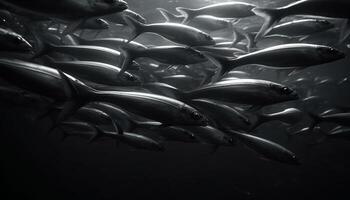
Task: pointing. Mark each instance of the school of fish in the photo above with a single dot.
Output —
(66, 61)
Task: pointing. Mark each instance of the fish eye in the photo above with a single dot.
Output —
(196, 116)
(286, 90)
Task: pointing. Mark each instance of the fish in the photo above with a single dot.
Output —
(95, 24)
(124, 119)
(302, 27)
(210, 135)
(118, 18)
(72, 11)
(302, 7)
(224, 117)
(83, 53)
(338, 118)
(178, 33)
(210, 23)
(297, 55)
(246, 91)
(223, 10)
(13, 42)
(289, 116)
(173, 55)
(266, 148)
(135, 140)
(97, 72)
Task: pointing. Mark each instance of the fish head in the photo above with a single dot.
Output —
(283, 93)
(192, 117)
(102, 24)
(15, 42)
(205, 39)
(108, 6)
(130, 79)
(329, 54)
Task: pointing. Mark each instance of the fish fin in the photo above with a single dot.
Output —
(188, 13)
(344, 31)
(117, 128)
(74, 101)
(99, 133)
(224, 65)
(72, 27)
(169, 17)
(127, 61)
(295, 71)
(271, 17)
(137, 27)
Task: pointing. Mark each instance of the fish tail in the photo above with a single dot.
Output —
(224, 65)
(137, 27)
(188, 13)
(169, 17)
(99, 133)
(128, 60)
(261, 119)
(316, 120)
(76, 97)
(271, 17)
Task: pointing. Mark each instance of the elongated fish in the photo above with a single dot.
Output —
(178, 33)
(97, 72)
(245, 91)
(303, 7)
(302, 27)
(296, 55)
(73, 11)
(266, 148)
(224, 10)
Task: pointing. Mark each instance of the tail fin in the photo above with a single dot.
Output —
(224, 65)
(271, 17)
(261, 119)
(129, 56)
(188, 13)
(316, 120)
(170, 17)
(137, 27)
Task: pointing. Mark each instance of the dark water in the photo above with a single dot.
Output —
(35, 165)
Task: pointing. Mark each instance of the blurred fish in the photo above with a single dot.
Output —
(266, 148)
(118, 18)
(302, 27)
(289, 116)
(73, 11)
(96, 72)
(11, 41)
(302, 7)
(178, 33)
(297, 55)
(224, 10)
(246, 91)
